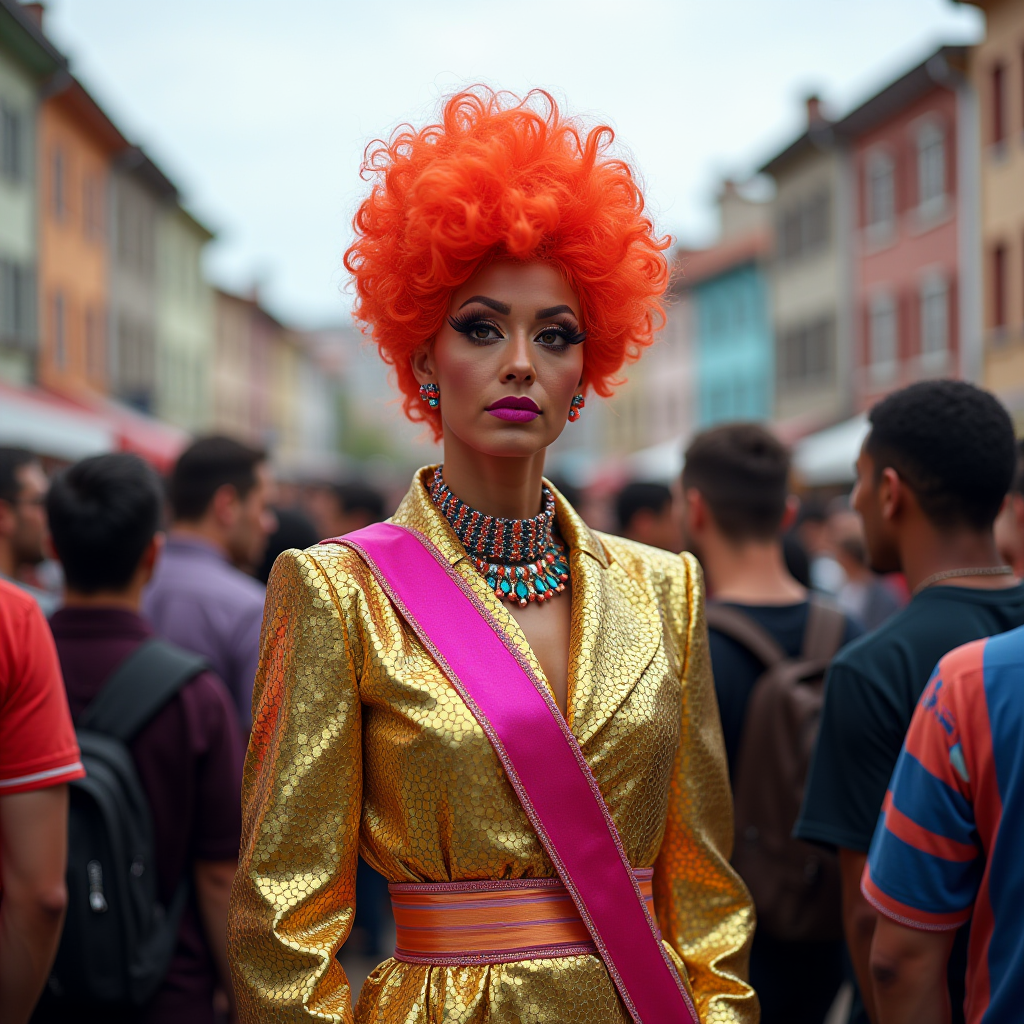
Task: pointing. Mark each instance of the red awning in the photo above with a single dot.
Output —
(157, 442)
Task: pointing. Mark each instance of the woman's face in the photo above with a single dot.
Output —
(508, 359)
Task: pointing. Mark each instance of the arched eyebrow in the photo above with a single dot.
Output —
(498, 307)
(543, 314)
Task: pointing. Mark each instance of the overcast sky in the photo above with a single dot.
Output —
(260, 110)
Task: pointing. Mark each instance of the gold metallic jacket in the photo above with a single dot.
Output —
(361, 746)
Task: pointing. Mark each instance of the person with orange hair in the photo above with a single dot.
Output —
(507, 714)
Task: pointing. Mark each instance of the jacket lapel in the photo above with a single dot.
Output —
(616, 629)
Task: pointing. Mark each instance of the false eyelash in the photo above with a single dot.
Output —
(465, 322)
(568, 331)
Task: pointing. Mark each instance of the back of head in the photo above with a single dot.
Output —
(294, 530)
(11, 461)
(952, 444)
(637, 497)
(742, 472)
(103, 513)
(356, 497)
(207, 465)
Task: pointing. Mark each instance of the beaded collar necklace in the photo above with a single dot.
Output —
(519, 558)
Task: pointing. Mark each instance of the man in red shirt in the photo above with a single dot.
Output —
(38, 757)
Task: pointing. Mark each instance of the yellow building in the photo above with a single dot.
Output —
(997, 75)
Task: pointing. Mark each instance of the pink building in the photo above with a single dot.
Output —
(914, 288)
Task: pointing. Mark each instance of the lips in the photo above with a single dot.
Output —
(515, 409)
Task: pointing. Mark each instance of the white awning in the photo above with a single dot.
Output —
(828, 456)
(49, 427)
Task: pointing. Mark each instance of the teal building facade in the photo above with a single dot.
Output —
(734, 346)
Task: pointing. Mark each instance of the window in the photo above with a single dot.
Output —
(998, 87)
(806, 353)
(934, 322)
(95, 350)
(804, 226)
(60, 340)
(59, 185)
(92, 205)
(999, 282)
(17, 304)
(883, 338)
(931, 167)
(12, 144)
(881, 194)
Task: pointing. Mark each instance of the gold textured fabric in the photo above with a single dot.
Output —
(360, 745)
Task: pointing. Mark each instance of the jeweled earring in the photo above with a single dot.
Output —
(578, 401)
(431, 394)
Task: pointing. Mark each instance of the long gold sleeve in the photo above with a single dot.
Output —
(293, 900)
(703, 907)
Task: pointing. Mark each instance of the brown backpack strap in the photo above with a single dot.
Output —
(736, 625)
(826, 627)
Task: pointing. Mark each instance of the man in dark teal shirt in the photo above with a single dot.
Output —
(931, 478)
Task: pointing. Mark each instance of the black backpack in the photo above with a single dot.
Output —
(118, 939)
(795, 885)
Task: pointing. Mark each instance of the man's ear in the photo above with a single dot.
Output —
(225, 505)
(892, 494)
(789, 516)
(1017, 509)
(695, 511)
(422, 363)
(150, 557)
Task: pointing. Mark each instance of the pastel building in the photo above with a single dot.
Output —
(139, 194)
(996, 70)
(810, 279)
(26, 61)
(734, 350)
(913, 281)
(184, 322)
(77, 145)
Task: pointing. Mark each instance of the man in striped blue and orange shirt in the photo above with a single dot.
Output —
(949, 845)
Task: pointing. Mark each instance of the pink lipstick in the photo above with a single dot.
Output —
(515, 409)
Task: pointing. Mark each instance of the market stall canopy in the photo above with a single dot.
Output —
(48, 425)
(828, 457)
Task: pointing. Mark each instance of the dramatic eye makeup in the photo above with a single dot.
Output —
(561, 332)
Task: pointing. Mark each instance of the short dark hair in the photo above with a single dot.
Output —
(359, 497)
(953, 445)
(636, 497)
(207, 465)
(103, 513)
(11, 460)
(742, 471)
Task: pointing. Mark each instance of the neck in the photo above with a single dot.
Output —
(753, 572)
(927, 552)
(123, 600)
(201, 529)
(494, 485)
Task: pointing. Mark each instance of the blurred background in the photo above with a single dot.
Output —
(844, 184)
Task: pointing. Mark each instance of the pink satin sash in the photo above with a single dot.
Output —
(542, 759)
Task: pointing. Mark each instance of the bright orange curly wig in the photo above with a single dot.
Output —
(507, 177)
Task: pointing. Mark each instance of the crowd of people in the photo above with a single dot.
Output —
(871, 711)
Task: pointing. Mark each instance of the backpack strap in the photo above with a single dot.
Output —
(826, 627)
(140, 687)
(739, 626)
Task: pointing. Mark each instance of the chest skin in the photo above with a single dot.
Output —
(546, 627)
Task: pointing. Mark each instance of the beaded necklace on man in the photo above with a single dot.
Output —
(519, 558)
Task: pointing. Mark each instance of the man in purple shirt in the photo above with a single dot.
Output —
(104, 515)
(200, 598)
